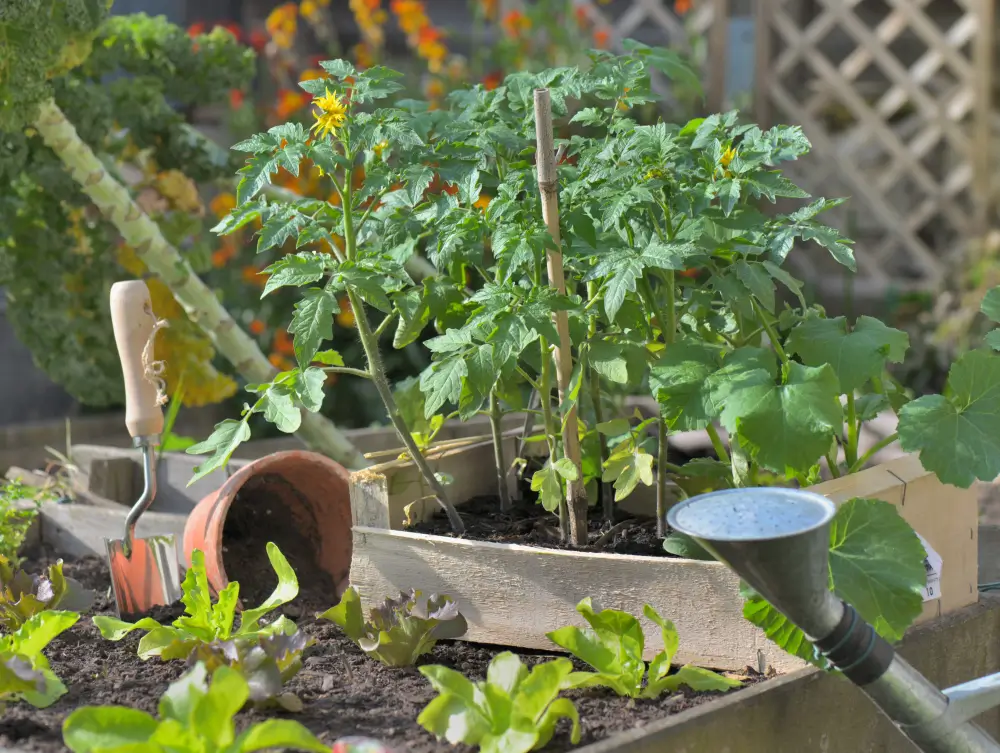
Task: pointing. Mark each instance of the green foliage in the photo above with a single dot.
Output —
(513, 711)
(267, 665)
(15, 518)
(402, 629)
(39, 40)
(613, 646)
(24, 671)
(23, 596)
(195, 716)
(204, 621)
(628, 462)
(876, 564)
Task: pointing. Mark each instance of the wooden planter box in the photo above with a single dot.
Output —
(512, 595)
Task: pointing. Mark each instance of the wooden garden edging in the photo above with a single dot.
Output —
(512, 594)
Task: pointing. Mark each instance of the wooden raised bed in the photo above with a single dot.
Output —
(512, 594)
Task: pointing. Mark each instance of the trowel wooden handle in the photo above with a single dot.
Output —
(133, 321)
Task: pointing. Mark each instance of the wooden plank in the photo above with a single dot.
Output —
(80, 530)
(115, 479)
(512, 595)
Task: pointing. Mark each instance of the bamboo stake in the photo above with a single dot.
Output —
(162, 259)
(548, 185)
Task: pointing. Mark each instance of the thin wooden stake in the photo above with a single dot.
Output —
(548, 184)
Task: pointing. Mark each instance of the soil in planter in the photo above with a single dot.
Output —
(344, 691)
(528, 523)
(258, 516)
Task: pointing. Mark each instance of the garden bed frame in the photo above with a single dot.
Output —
(512, 595)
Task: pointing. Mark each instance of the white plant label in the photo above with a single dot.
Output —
(932, 563)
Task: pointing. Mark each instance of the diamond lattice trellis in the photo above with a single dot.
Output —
(891, 94)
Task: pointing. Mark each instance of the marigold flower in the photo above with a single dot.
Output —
(251, 275)
(309, 9)
(483, 201)
(682, 6)
(332, 114)
(289, 103)
(434, 88)
(310, 74)
(196, 29)
(221, 256)
(515, 22)
(689, 273)
(363, 55)
(601, 37)
(582, 19)
(235, 99)
(282, 24)
(492, 80)
(283, 343)
(410, 14)
(370, 17)
(257, 327)
(489, 8)
(280, 362)
(257, 40)
(346, 316)
(430, 47)
(222, 204)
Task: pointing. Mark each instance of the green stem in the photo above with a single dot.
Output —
(661, 479)
(851, 451)
(347, 370)
(370, 345)
(881, 445)
(831, 461)
(389, 319)
(199, 302)
(771, 334)
(496, 430)
(646, 291)
(347, 199)
(671, 323)
(527, 377)
(545, 394)
(717, 443)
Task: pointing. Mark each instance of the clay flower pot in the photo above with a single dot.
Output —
(300, 501)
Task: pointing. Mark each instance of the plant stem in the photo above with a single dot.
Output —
(881, 445)
(347, 370)
(646, 291)
(661, 478)
(198, 301)
(851, 451)
(545, 394)
(771, 334)
(717, 443)
(594, 379)
(497, 431)
(370, 345)
(831, 461)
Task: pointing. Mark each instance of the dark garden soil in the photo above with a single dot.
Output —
(529, 524)
(255, 519)
(344, 692)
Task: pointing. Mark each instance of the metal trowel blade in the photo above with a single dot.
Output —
(149, 578)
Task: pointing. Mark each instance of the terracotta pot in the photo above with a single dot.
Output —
(301, 491)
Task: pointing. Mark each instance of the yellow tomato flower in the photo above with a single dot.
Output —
(727, 156)
(332, 113)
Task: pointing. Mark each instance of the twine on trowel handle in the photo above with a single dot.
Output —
(151, 368)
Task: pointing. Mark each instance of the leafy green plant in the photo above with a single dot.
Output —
(267, 666)
(513, 710)
(24, 671)
(614, 645)
(195, 716)
(204, 621)
(15, 518)
(23, 596)
(401, 630)
(876, 564)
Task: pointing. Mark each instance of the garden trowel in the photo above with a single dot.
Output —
(144, 572)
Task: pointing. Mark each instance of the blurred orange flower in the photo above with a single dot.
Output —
(582, 19)
(434, 88)
(289, 103)
(257, 327)
(346, 316)
(280, 362)
(601, 37)
(222, 204)
(283, 343)
(282, 24)
(235, 99)
(489, 8)
(515, 22)
(363, 55)
(682, 6)
(221, 256)
(257, 39)
(252, 276)
(492, 80)
(430, 47)
(198, 27)
(483, 201)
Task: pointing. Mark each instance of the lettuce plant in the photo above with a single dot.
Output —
(266, 666)
(22, 596)
(513, 711)
(24, 670)
(204, 621)
(195, 716)
(613, 646)
(402, 629)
